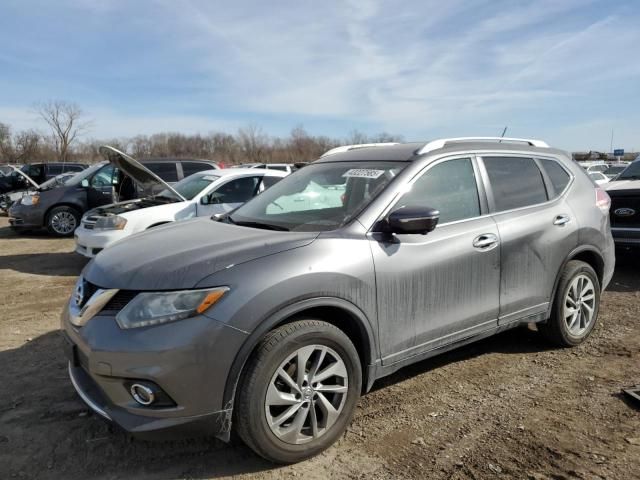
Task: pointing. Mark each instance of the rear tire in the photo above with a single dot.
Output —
(574, 313)
(287, 414)
(63, 221)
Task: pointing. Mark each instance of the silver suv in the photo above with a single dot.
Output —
(276, 317)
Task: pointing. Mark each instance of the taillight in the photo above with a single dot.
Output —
(603, 200)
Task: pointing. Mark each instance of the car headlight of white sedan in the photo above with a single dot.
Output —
(110, 222)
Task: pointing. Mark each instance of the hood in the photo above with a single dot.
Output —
(127, 206)
(148, 181)
(621, 185)
(180, 254)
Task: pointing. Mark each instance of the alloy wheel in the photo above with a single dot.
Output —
(63, 222)
(306, 394)
(579, 305)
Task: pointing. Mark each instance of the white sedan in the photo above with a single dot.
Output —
(599, 177)
(202, 194)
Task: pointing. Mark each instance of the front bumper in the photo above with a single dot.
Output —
(188, 360)
(91, 242)
(25, 217)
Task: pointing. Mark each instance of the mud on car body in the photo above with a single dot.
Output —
(273, 319)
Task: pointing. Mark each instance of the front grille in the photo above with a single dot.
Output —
(89, 290)
(119, 300)
(625, 209)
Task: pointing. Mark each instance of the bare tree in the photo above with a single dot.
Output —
(65, 121)
(19, 148)
(254, 143)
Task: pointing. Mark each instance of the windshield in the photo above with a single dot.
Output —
(190, 186)
(320, 197)
(632, 172)
(84, 174)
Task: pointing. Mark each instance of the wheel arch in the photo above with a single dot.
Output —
(338, 312)
(76, 207)
(586, 253)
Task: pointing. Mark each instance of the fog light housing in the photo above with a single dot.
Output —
(142, 394)
(148, 394)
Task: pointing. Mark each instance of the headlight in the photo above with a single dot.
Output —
(111, 222)
(30, 200)
(153, 308)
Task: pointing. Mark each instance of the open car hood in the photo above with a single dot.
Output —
(27, 177)
(149, 182)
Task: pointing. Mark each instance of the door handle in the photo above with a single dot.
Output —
(561, 219)
(486, 241)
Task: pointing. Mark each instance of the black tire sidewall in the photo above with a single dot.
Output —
(572, 270)
(55, 210)
(263, 439)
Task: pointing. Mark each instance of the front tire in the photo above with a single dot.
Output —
(298, 392)
(63, 221)
(574, 312)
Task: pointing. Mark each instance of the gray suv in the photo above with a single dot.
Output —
(276, 317)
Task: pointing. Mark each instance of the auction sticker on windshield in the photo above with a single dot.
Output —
(363, 173)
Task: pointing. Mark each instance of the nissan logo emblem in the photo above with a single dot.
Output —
(624, 212)
(78, 295)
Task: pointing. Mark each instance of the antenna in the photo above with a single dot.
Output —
(504, 131)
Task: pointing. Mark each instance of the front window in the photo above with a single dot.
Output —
(632, 172)
(320, 197)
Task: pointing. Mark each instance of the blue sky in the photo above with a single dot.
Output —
(567, 71)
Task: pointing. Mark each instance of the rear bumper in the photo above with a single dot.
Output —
(626, 236)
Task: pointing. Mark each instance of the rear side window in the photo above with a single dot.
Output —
(73, 168)
(449, 187)
(558, 175)
(165, 170)
(282, 168)
(55, 170)
(189, 168)
(516, 182)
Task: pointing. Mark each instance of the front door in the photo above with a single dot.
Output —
(101, 187)
(438, 288)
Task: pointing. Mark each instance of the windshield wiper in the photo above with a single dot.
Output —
(630, 177)
(265, 226)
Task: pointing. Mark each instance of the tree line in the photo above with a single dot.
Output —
(68, 127)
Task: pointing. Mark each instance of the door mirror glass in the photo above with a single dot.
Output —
(84, 183)
(413, 220)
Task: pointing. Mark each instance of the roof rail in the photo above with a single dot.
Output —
(440, 143)
(346, 148)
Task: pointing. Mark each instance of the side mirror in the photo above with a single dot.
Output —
(84, 183)
(412, 220)
(204, 200)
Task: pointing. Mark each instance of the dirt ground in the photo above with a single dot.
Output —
(506, 407)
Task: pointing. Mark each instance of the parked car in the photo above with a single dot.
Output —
(204, 193)
(60, 209)
(598, 167)
(599, 177)
(275, 319)
(282, 167)
(624, 191)
(35, 174)
(615, 169)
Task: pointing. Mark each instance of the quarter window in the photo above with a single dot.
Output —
(516, 182)
(165, 170)
(189, 168)
(449, 187)
(558, 175)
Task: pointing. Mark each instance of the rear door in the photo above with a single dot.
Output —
(536, 226)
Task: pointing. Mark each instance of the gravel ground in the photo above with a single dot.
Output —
(507, 407)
